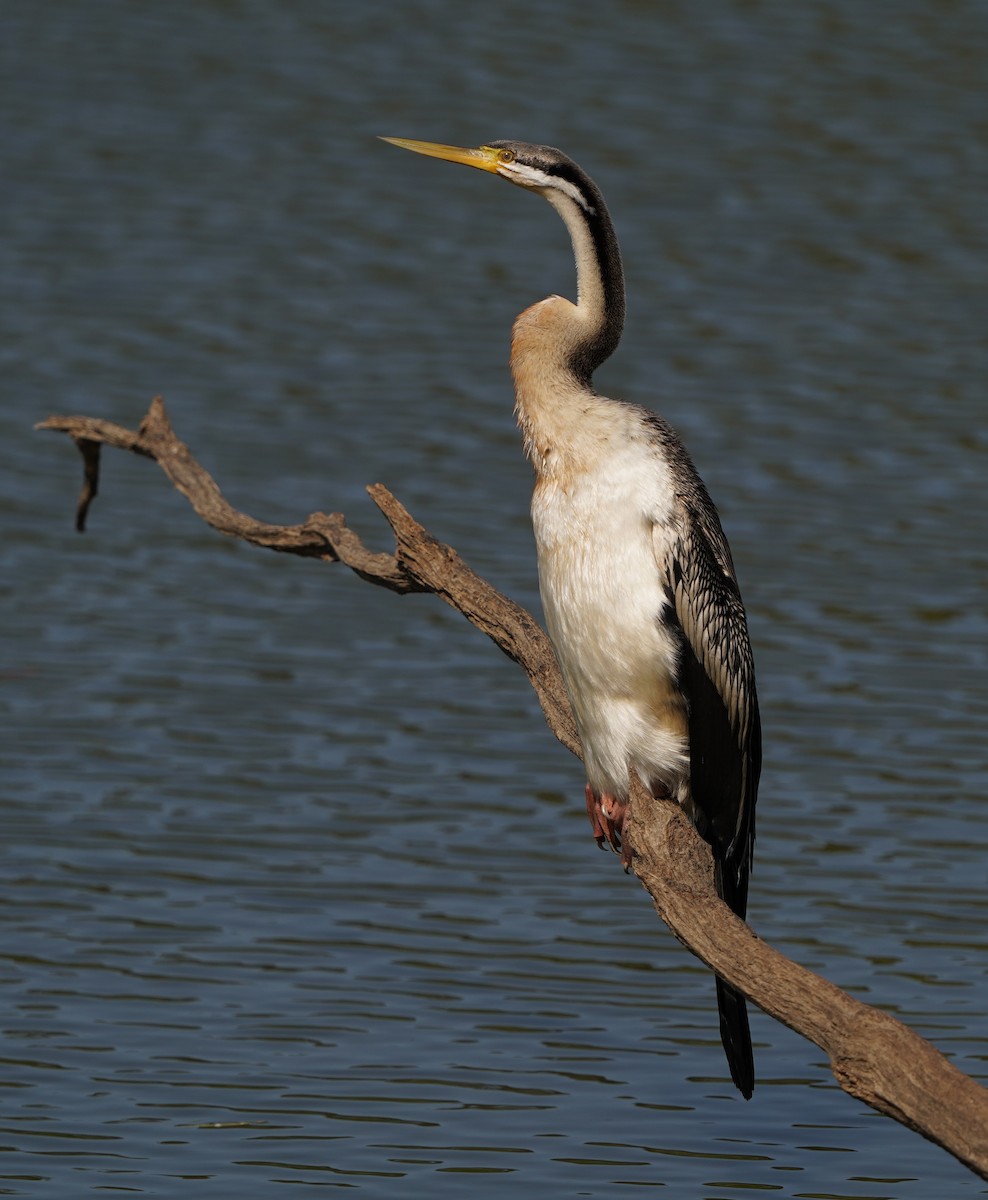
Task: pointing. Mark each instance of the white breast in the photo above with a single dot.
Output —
(603, 599)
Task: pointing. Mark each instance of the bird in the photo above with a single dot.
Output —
(638, 586)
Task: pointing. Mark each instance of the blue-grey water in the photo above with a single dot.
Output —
(297, 890)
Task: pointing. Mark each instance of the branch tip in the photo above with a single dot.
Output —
(90, 451)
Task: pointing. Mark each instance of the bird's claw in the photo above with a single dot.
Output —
(607, 819)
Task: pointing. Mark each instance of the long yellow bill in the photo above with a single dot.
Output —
(485, 158)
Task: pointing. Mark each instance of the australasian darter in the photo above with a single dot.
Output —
(638, 586)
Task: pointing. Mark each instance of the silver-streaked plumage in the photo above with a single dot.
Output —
(638, 586)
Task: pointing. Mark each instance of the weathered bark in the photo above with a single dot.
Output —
(873, 1056)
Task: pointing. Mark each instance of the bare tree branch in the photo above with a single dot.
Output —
(873, 1056)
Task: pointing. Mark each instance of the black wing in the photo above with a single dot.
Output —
(717, 677)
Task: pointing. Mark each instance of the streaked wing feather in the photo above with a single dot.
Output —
(717, 675)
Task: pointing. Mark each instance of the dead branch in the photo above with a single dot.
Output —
(873, 1056)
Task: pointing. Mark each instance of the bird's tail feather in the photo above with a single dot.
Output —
(732, 887)
(735, 1035)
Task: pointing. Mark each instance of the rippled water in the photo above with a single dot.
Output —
(297, 888)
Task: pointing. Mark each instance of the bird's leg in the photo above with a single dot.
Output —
(607, 816)
(596, 818)
(615, 812)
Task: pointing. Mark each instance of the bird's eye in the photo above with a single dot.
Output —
(505, 156)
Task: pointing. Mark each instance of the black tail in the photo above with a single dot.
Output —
(732, 887)
(735, 1035)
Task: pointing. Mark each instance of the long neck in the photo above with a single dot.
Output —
(599, 275)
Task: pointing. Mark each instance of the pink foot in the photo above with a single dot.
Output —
(607, 817)
(595, 815)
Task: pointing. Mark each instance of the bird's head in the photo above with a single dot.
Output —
(539, 168)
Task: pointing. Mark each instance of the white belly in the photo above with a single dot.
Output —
(603, 601)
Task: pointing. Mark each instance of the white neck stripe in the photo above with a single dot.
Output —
(534, 178)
